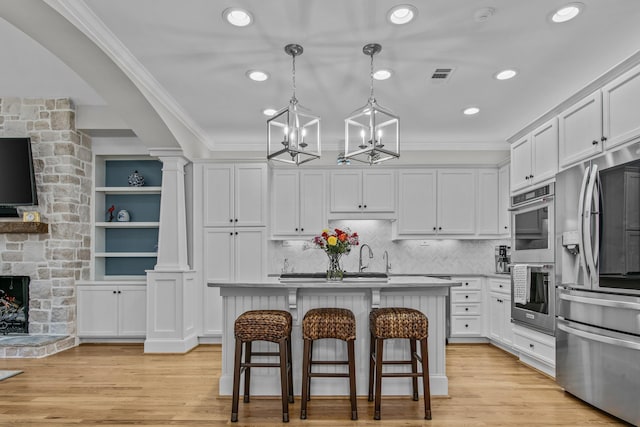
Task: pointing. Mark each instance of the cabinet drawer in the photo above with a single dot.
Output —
(465, 309)
(500, 285)
(468, 283)
(466, 325)
(535, 348)
(460, 296)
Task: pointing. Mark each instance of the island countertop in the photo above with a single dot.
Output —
(393, 282)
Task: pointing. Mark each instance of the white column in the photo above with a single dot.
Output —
(171, 284)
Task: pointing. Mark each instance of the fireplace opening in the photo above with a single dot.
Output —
(14, 305)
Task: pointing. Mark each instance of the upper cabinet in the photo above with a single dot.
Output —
(298, 203)
(436, 202)
(581, 130)
(488, 201)
(357, 191)
(621, 103)
(235, 195)
(534, 157)
(504, 201)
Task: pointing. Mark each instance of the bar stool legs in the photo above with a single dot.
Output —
(262, 325)
(328, 323)
(386, 323)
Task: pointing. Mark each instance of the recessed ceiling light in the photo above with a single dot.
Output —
(382, 74)
(237, 17)
(257, 75)
(567, 12)
(506, 74)
(269, 112)
(402, 14)
(470, 111)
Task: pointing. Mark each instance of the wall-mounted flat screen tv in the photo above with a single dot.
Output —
(17, 177)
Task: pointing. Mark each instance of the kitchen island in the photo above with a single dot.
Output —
(360, 295)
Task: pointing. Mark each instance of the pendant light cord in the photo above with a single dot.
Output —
(294, 100)
(371, 98)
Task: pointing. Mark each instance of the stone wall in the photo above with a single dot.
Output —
(54, 261)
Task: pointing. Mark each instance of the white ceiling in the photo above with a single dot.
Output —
(200, 61)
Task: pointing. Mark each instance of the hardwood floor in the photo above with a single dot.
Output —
(119, 385)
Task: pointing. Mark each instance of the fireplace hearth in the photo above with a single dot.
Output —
(14, 305)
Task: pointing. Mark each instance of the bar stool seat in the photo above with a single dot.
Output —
(403, 323)
(263, 325)
(320, 323)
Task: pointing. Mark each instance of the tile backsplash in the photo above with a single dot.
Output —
(406, 256)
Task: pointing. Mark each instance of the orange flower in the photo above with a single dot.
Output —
(342, 237)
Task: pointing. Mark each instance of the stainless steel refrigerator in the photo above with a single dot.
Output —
(598, 282)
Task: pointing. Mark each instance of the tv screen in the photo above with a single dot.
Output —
(17, 178)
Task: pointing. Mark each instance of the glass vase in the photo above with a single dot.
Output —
(334, 270)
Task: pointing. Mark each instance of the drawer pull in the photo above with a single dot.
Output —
(466, 296)
(466, 309)
(531, 346)
(466, 325)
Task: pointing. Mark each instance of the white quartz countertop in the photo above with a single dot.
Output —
(352, 282)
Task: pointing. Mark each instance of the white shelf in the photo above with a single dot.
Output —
(130, 280)
(129, 190)
(126, 254)
(132, 224)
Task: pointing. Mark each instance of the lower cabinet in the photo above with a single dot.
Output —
(466, 308)
(535, 349)
(112, 311)
(500, 326)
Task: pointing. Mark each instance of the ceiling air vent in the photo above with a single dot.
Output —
(441, 75)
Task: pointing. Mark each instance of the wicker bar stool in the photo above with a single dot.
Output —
(406, 323)
(336, 323)
(263, 325)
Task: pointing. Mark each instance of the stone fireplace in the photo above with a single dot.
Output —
(56, 259)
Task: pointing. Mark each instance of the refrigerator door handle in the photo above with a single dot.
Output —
(591, 202)
(581, 243)
(599, 338)
(600, 302)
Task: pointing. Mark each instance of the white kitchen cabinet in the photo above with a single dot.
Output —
(580, 130)
(504, 201)
(620, 106)
(417, 189)
(436, 202)
(108, 311)
(488, 202)
(534, 157)
(535, 349)
(456, 201)
(362, 191)
(466, 308)
(298, 203)
(500, 326)
(235, 194)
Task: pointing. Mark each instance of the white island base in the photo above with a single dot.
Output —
(422, 293)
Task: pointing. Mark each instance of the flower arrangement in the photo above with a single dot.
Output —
(337, 241)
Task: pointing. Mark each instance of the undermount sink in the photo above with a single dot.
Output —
(348, 275)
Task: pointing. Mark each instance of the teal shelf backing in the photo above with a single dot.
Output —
(128, 266)
(141, 207)
(118, 171)
(131, 240)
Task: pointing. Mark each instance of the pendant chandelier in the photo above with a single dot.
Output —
(293, 133)
(372, 133)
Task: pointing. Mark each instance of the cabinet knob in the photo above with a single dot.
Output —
(531, 176)
(365, 206)
(526, 177)
(296, 228)
(466, 325)
(531, 346)
(594, 142)
(505, 227)
(302, 229)
(236, 233)
(434, 229)
(466, 283)
(114, 292)
(231, 234)
(500, 285)
(466, 309)
(359, 206)
(236, 219)
(603, 139)
(466, 296)
(439, 228)
(230, 219)
(119, 292)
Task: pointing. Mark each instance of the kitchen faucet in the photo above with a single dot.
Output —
(387, 264)
(360, 266)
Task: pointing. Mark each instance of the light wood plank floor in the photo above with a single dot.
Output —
(119, 385)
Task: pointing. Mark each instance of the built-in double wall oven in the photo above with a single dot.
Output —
(532, 257)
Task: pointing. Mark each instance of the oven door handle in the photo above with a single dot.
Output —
(531, 203)
(601, 302)
(599, 338)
